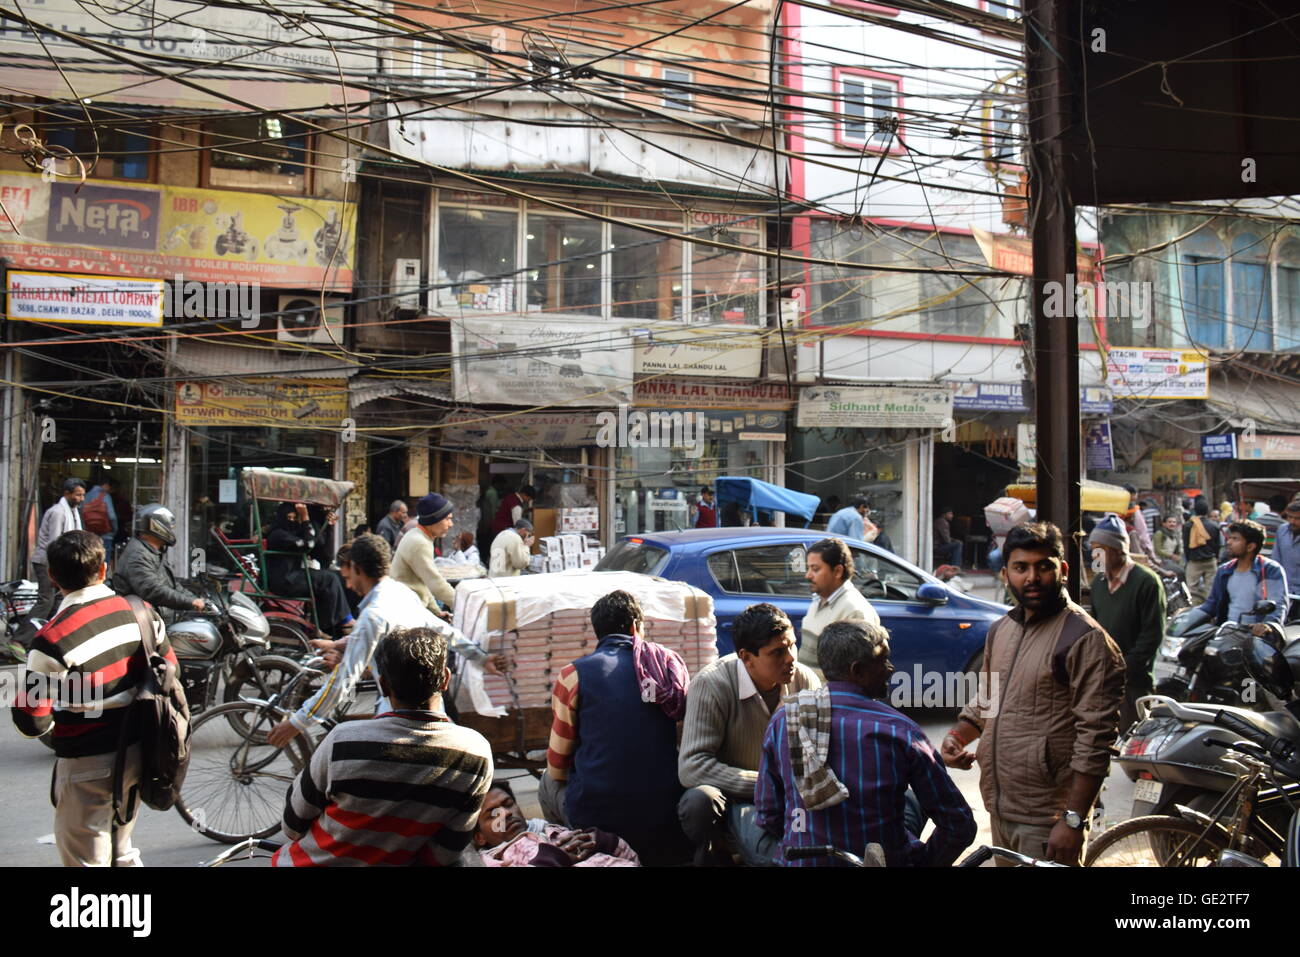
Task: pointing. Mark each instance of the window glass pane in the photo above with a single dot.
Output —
(773, 570)
(881, 580)
(954, 305)
(564, 271)
(855, 110)
(723, 570)
(123, 151)
(476, 258)
(726, 286)
(1252, 313)
(257, 151)
(647, 274)
(1288, 298)
(629, 556)
(676, 99)
(883, 101)
(1202, 296)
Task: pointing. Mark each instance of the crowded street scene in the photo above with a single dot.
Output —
(651, 435)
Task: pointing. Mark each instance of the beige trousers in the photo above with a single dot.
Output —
(83, 811)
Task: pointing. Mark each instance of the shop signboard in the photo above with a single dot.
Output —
(1218, 447)
(1010, 397)
(1100, 454)
(540, 430)
(89, 300)
(880, 407)
(510, 360)
(674, 394)
(1158, 373)
(1166, 468)
(284, 403)
(722, 351)
(1285, 448)
(166, 232)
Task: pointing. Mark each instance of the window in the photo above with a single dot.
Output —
(722, 566)
(1288, 296)
(766, 570)
(1201, 292)
(647, 274)
(123, 145)
(1252, 298)
(726, 286)
(476, 258)
(869, 106)
(881, 580)
(1002, 8)
(564, 265)
(630, 555)
(842, 295)
(953, 304)
(1004, 133)
(676, 99)
(449, 65)
(257, 152)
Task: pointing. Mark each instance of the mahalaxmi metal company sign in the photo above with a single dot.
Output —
(881, 407)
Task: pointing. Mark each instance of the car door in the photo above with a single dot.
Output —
(939, 638)
(748, 574)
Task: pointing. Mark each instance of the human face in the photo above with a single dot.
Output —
(1114, 558)
(1237, 545)
(1034, 577)
(402, 516)
(499, 820)
(1293, 519)
(873, 676)
(76, 496)
(825, 579)
(708, 498)
(345, 572)
(774, 663)
(1171, 525)
(439, 529)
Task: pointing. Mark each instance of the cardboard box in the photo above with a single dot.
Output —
(573, 545)
(587, 560)
(543, 520)
(554, 563)
(550, 545)
(572, 561)
(537, 563)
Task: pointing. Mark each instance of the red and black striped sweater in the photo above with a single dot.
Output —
(83, 669)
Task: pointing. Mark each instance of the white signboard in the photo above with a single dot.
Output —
(1284, 448)
(718, 351)
(536, 430)
(1027, 445)
(95, 300)
(1158, 373)
(538, 362)
(882, 407)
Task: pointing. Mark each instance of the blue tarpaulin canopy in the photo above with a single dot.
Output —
(752, 494)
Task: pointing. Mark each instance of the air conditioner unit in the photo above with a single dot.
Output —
(301, 320)
(404, 286)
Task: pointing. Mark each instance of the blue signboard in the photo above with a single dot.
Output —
(1218, 447)
(1009, 397)
(1100, 454)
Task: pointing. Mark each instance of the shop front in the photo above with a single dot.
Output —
(875, 441)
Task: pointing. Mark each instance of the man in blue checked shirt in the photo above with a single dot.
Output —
(854, 790)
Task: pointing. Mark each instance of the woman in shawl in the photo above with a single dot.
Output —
(294, 533)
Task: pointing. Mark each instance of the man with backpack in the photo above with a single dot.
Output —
(98, 515)
(1048, 708)
(84, 674)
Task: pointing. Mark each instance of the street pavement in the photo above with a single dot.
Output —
(165, 840)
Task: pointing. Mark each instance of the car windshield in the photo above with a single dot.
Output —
(634, 555)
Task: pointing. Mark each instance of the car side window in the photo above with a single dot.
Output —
(772, 570)
(879, 579)
(723, 569)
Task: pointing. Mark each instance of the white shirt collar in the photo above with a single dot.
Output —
(744, 683)
(83, 595)
(820, 603)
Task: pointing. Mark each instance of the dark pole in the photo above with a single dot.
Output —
(1056, 338)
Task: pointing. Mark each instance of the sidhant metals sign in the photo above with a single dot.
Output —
(884, 407)
(115, 216)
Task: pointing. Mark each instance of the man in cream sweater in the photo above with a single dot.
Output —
(510, 550)
(413, 563)
(835, 597)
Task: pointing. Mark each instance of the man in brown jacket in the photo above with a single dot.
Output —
(1053, 681)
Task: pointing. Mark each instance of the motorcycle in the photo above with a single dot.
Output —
(1175, 758)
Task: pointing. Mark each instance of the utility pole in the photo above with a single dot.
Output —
(1048, 86)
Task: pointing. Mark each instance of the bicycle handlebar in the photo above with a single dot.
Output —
(1280, 751)
(977, 857)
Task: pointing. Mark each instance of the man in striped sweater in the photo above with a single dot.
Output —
(405, 787)
(83, 670)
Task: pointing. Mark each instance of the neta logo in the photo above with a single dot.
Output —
(77, 910)
(111, 216)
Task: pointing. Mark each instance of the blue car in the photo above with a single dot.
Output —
(931, 625)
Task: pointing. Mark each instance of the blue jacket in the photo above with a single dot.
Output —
(1270, 583)
(846, 523)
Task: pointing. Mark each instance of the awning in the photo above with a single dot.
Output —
(1272, 404)
(753, 494)
(364, 390)
(209, 359)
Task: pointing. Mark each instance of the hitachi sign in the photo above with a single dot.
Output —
(110, 215)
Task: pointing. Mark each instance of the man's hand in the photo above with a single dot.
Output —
(445, 614)
(331, 651)
(579, 845)
(1260, 630)
(496, 665)
(331, 517)
(954, 753)
(282, 734)
(198, 604)
(1065, 845)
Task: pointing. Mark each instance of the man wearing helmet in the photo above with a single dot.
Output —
(141, 570)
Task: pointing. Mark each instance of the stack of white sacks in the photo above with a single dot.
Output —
(543, 622)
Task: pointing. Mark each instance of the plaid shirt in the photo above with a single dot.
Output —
(877, 753)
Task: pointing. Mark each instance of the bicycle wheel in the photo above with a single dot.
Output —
(1157, 840)
(273, 673)
(236, 784)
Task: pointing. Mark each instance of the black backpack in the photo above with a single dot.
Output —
(159, 719)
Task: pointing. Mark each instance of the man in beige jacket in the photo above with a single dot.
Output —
(1048, 708)
(510, 550)
(413, 563)
(835, 597)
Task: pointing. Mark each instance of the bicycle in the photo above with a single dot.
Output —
(874, 856)
(1232, 833)
(235, 787)
(252, 849)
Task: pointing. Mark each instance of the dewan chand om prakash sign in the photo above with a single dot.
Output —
(298, 403)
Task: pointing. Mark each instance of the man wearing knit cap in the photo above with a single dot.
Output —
(1128, 600)
(413, 563)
